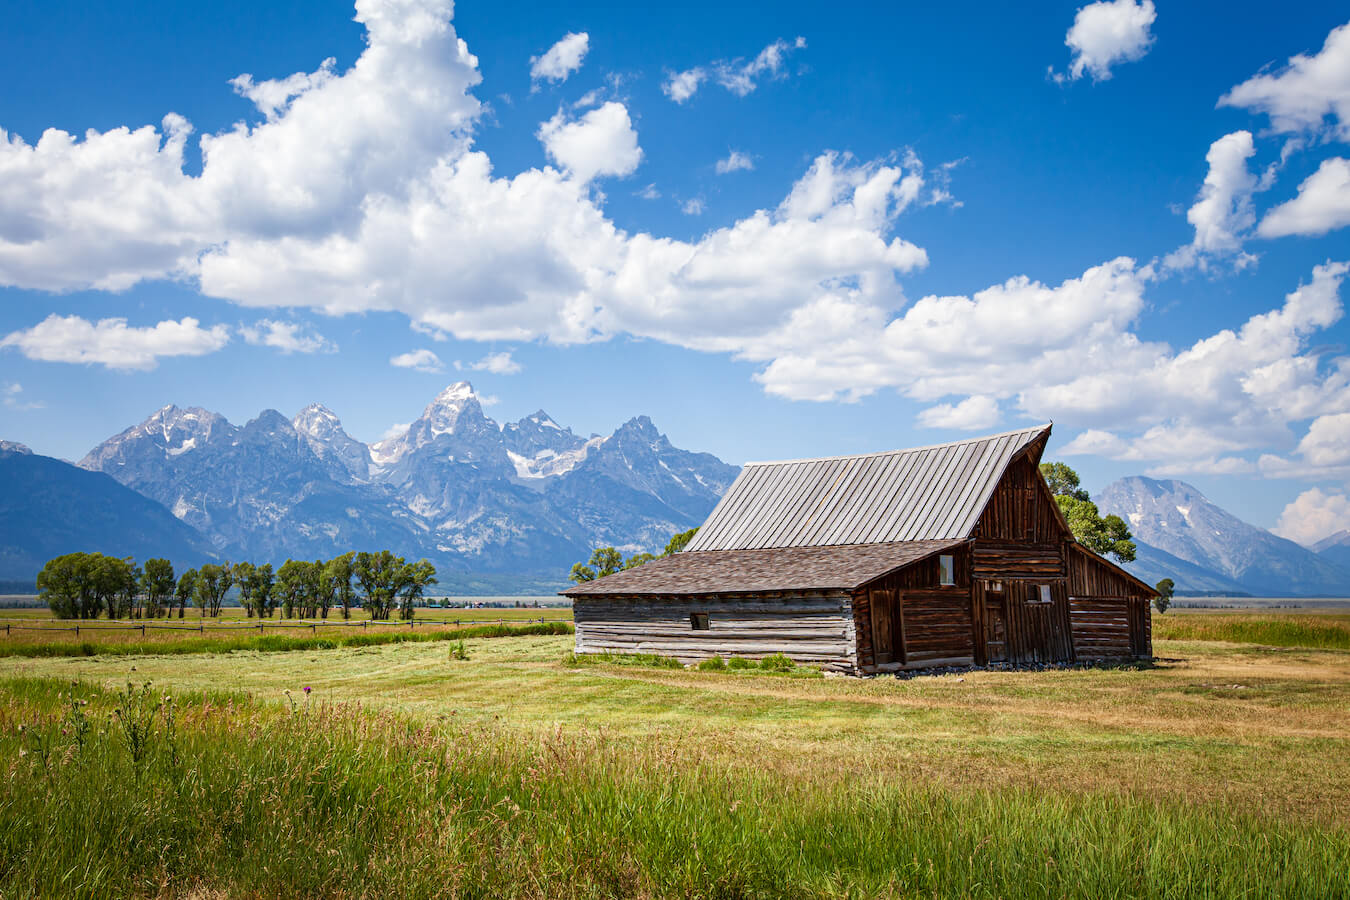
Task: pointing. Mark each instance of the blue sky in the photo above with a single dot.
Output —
(875, 228)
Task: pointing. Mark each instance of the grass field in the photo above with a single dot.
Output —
(28, 632)
(1223, 770)
(1330, 631)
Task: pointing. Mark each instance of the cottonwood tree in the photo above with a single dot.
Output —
(1063, 481)
(310, 578)
(1103, 535)
(607, 560)
(638, 559)
(66, 583)
(290, 586)
(380, 576)
(157, 586)
(414, 579)
(680, 541)
(255, 587)
(129, 591)
(604, 561)
(1165, 589)
(213, 583)
(186, 590)
(337, 577)
(114, 583)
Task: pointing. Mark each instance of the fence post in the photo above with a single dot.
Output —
(142, 629)
(311, 628)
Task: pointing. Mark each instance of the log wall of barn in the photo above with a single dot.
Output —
(811, 628)
(1109, 612)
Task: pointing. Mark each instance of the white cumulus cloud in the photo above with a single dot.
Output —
(736, 161)
(602, 142)
(739, 76)
(113, 343)
(1313, 515)
(421, 360)
(1107, 33)
(499, 363)
(1310, 94)
(1222, 213)
(971, 414)
(288, 337)
(680, 86)
(1322, 204)
(562, 59)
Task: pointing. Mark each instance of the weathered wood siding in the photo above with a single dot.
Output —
(1021, 510)
(909, 620)
(1110, 613)
(813, 629)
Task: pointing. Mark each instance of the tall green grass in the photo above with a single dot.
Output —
(275, 642)
(319, 800)
(1270, 631)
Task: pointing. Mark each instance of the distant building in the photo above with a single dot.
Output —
(947, 555)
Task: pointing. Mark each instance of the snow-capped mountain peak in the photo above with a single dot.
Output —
(322, 430)
(317, 421)
(444, 412)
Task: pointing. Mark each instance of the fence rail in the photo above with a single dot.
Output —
(203, 627)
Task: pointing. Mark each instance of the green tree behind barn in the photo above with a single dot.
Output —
(1103, 535)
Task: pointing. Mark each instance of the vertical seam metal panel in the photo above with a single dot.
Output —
(746, 513)
(833, 529)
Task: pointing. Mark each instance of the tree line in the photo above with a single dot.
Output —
(87, 585)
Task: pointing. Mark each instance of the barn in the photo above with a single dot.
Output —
(955, 554)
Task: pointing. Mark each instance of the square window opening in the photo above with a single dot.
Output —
(946, 570)
(698, 621)
(1043, 593)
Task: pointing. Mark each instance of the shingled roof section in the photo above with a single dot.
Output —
(755, 571)
(924, 494)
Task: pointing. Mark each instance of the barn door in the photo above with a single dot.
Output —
(883, 618)
(995, 623)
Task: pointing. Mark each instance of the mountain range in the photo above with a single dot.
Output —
(1181, 535)
(526, 498)
(499, 508)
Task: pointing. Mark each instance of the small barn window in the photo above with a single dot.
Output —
(946, 570)
(698, 621)
(1042, 594)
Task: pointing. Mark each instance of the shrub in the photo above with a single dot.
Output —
(777, 662)
(738, 662)
(713, 664)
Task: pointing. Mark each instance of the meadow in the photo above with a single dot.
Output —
(1220, 770)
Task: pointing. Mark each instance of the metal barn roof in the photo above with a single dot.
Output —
(756, 571)
(928, 493)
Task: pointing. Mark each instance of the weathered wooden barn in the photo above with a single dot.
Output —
(948, 555)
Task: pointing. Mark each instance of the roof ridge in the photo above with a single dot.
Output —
(983, 437)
